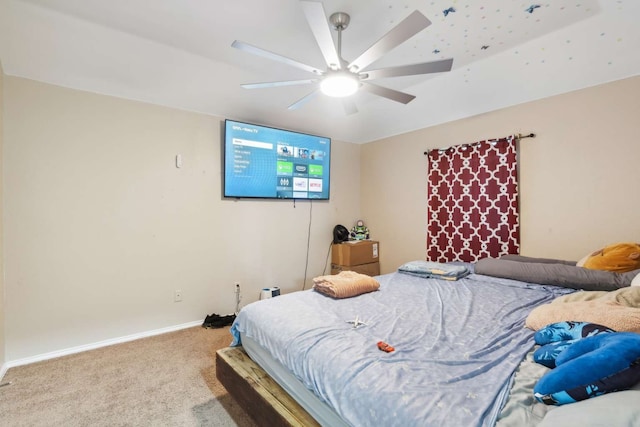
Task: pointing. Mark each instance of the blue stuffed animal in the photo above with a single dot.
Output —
(594, 360)
(556, 337)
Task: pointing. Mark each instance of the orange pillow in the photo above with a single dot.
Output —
(619, 258)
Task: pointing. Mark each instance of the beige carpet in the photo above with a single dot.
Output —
(166, 380)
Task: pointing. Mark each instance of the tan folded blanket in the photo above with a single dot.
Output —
(618, 310)
(345, 284)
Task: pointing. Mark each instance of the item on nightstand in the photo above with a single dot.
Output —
(340, 234)
(359, 231)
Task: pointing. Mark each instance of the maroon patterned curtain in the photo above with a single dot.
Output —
(472, 201)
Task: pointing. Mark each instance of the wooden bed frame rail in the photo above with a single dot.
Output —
(257, 393)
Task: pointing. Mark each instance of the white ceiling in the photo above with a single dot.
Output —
(178, 53)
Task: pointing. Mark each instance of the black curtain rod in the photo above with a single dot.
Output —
(518, 136)
(531, 135)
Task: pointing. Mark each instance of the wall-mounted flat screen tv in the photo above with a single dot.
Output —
(269, 163)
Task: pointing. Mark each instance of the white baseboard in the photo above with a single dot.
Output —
(3, 370)
(92, 346)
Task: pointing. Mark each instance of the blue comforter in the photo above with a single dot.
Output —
(457, 345)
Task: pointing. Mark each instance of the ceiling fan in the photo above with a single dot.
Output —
(342, 78)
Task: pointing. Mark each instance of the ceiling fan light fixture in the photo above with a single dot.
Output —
(340, 84)
(341, 78)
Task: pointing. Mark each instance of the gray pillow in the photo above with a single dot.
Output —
(520, 258)
(567, 276)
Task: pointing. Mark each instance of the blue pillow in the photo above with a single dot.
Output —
(562, 331)
(590, 367)
(547, 354)
(556, 337)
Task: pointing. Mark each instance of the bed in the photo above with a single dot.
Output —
(462, 354)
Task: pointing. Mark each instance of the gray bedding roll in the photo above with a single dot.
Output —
(521, 258)
(562, 273)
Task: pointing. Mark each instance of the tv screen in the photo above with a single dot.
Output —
(269, 163)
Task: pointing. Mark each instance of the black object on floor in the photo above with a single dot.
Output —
(217, 321)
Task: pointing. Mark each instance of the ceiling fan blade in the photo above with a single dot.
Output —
(317, 19)
(410, 70)
(274, 56)
(402, 32)
(299, 103)
(349, 106)
(277, 84)
(385, 92)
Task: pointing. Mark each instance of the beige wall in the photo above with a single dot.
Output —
(578, 177)
(101, 227)
(2, 307)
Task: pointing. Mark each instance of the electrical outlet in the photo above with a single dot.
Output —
(177, 295)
